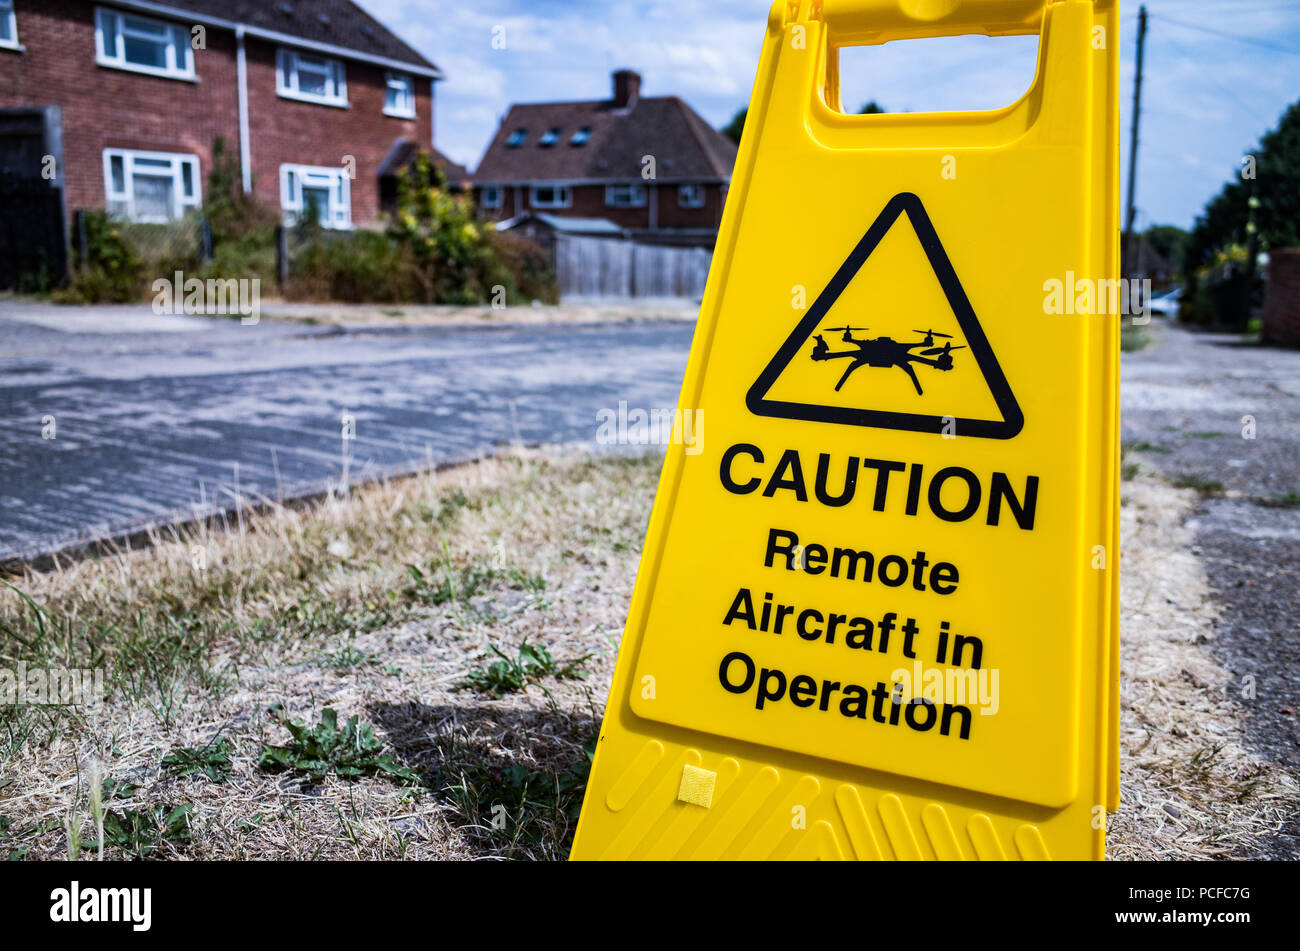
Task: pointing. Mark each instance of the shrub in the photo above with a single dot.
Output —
(164, 249)
(528, 264)
(1220, 293)
(109, 270)
(365, 266)
(252, 256)
(433, 250)
(243, 228)
(454, 262)
(232, 214)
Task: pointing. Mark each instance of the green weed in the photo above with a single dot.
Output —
(212, 760)
(1201, 484)
(528, 814)
(515, 674)
(318, 750)
(1282, 500)
(139, 832)
(1143, 445)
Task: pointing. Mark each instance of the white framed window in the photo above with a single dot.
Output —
(316, 191)
(8, 26)
(491, 196)
(143, 45)
(690, 196)
(399, 96)
(310, 78)
(153, 187)
(625, 196)
(550, 196)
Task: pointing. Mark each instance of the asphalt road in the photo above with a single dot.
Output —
(171, 417)
(1188, 403)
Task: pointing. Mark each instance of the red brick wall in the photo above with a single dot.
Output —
(107, 108)
(1282, 298)
(671, 215)
(112, 108)
(589, 202)
(306, 133)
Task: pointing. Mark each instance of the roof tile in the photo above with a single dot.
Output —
(337, 22)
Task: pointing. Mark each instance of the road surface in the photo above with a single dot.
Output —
(170, 417)
(1222, 415)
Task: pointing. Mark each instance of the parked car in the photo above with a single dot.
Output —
(1166, 305)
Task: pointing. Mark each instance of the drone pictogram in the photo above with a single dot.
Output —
(887, 352)
(770, 395)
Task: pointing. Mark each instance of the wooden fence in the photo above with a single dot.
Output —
(606, 267)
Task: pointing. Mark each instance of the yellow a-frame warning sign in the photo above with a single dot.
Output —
(876, 615)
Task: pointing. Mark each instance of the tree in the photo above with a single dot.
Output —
(871, 108)
(1259, 209)
(1273, 178)
(736, 126)
(1169, 241)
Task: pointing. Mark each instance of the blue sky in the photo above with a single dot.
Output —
(1218, 72)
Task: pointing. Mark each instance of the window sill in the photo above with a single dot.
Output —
(393, 114)
(290, 220)
(147, 71)
(14, 47)
(313, 100)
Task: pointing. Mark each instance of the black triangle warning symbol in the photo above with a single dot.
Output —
(882, 352)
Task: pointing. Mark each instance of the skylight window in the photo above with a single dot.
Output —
(581, 136)
(516, 138)
(549, 137)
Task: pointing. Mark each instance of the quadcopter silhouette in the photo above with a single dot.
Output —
(887, 352)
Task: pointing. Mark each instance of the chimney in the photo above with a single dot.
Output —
(627, 87)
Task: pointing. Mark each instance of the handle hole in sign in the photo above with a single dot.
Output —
(941, 74)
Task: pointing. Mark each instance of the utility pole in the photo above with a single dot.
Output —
(1130, 211)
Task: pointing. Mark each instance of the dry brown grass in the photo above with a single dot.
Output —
(316, 608)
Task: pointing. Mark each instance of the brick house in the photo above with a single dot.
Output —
(650, 165)
(315, 99)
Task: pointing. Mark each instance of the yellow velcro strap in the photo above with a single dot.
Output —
(697, 786)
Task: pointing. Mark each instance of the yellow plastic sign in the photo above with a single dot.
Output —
(876, 615)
